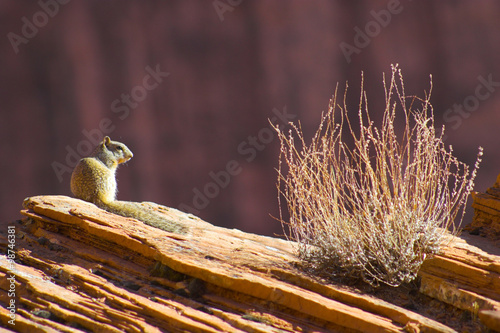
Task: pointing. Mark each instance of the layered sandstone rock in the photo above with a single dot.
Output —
(79, 268)
(486, 221)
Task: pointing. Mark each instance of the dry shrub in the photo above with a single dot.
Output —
(374, 210)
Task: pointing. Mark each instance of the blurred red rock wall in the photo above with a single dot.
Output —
(189, 86)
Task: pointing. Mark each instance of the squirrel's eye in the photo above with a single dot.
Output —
(119, 148)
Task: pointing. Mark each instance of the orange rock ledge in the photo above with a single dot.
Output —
(486, 220)
(79, 269)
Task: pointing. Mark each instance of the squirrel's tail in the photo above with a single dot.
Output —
(139, 212)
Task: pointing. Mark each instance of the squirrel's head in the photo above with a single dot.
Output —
(117, 150)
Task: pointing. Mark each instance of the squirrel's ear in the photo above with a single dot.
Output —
(106, 140)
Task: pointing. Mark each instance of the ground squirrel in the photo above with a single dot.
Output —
(94, 180)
